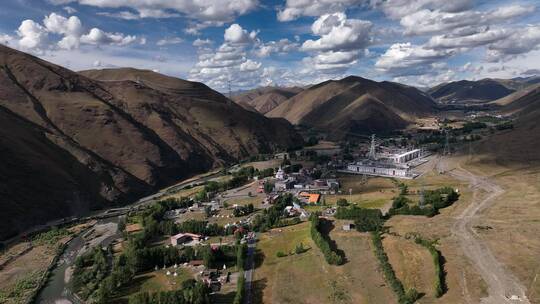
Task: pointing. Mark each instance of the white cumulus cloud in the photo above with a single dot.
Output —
(236, 34)
(296, 8)
(97, 36)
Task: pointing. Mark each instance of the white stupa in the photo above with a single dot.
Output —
(280, 174)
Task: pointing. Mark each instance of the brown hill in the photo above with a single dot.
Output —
(71, 143)
(465, 91)
(355, 105)
(523, 101)
(263, 100)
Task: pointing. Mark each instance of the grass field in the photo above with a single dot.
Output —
(464, 284)
(375, 193)
(153, 281)
(412, 263)
(185, 192)
(307, 278)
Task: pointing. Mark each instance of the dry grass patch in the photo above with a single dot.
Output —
(412, 264)
(307, 278)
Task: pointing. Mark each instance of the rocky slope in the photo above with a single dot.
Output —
(355, 105)
(72, 142)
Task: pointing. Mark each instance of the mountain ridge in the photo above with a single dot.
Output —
(132, 132)
(323, 104)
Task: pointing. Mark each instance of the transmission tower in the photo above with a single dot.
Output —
(372, 154)
(446, 150)
(422, 198)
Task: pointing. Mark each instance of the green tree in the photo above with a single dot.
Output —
(342, 202)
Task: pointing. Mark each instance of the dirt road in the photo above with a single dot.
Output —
(503, 287)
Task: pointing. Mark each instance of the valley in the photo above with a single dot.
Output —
(347, 191)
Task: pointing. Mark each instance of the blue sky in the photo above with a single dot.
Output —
(251, 43)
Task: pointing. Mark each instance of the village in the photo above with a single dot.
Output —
(212, 230)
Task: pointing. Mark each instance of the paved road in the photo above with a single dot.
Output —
(248, 274)
(503, 287)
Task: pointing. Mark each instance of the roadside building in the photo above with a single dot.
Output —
(186, 239)
(133, 228)
(348, 227)
(282, 185)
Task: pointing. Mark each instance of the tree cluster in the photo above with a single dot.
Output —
(243, 210)
(203, 227)
(322, 241)
(241, 251)
(364, 219)
(433, 201)
(272, 216)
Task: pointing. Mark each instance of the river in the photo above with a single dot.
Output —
(57, 288)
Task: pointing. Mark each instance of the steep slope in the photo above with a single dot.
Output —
(465, 91)
(519, 83)
(355, 105)
(523, 101)
(263, 100)
(128, 137)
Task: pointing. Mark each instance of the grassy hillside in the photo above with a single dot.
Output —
(355, 105)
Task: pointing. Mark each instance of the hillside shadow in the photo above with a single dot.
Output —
(442, 262)
(258, 258)
(258, 287)
(218, 298)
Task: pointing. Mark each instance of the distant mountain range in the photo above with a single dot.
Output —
(265, 99)
(71, 142)
(479, 91)
(354, 105)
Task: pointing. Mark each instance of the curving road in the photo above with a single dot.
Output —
(503, 287)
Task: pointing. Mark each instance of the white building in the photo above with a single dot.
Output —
(406, 156)
(280, 175)
(380, 169)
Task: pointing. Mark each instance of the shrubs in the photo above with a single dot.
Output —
(281, 254)
(433, 201)
(439, 285)
(342, 202)
(364, 219)
(299, 249)
(408, 297)
(323, 243)
(50, 237)
(243, 210)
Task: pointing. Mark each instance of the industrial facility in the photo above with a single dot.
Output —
(388, 163)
